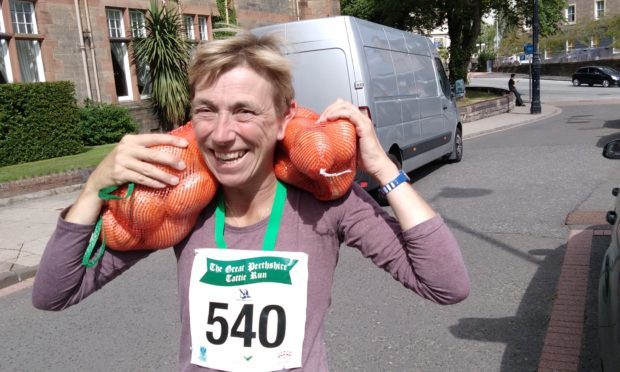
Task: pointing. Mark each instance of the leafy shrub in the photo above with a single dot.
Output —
(484, 56)
(104, 123)
(38, 121)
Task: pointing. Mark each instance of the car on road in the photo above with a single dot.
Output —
(591, 75)
(609, 282)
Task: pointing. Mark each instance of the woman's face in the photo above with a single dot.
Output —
(236, 126)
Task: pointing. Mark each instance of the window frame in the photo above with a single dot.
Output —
(190, 32)
(597, 14)
(140, 27)
(203, 28)
(123, 41)
(15, 22)
(574, 13)
(21, 36)
(4, 49)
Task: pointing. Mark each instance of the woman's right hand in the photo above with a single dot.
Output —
(132, 160)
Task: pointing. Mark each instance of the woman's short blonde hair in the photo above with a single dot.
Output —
(260, 53)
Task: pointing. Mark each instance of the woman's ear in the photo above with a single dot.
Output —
(288, 116)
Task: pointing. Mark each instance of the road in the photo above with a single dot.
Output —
(551, 91)
(506, 204)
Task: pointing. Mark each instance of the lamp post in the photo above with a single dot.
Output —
(535, 107)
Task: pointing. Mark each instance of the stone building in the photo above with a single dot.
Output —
(592, 47)
(88, 42)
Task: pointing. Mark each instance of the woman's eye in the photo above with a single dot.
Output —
(244, 115)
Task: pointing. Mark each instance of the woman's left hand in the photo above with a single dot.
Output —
(371, 157)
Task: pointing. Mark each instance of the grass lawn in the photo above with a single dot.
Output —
(473, 96)
(90, 158)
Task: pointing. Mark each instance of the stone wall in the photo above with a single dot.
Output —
(35, 184)
(490, 107)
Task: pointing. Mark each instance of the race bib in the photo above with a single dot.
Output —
(248, 309)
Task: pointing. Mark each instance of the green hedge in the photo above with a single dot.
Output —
(102, 123)
(38, 121)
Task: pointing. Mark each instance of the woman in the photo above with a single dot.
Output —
(242, 99)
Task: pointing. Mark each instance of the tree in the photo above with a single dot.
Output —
(166, 51)
(463, 18)
(225, 25)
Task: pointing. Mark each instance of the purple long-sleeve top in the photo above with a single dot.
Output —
(425, 259)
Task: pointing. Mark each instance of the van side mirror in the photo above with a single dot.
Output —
(612, 150)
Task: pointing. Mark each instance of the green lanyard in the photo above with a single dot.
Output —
(269, 241)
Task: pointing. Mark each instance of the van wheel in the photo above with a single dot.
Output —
(576, 82)
(457, 150)
(605, 83)
(379, 197)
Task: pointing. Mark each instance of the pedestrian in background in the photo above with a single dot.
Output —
(513, 89)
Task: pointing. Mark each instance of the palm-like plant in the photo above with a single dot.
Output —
(166, 51)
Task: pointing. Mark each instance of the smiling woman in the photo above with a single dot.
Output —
(243, 104)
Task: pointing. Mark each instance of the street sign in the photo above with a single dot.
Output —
(528, 49)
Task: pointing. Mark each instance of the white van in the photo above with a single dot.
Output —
(395, 76)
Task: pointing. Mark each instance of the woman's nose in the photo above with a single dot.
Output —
(223, 131)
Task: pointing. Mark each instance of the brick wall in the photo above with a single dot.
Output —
(255, 13)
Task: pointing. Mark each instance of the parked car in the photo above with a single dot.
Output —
(609, 282)
(591, 75)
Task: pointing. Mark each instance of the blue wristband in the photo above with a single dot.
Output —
(402, 177)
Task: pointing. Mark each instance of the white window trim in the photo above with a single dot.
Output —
(129, 96)
(4, 49)
(141, 26)
(35, 29)
(126, 67)
(203, 28)
(40, 70)
(189, 31)
(122, 23)
(574, 6)
(596, 16)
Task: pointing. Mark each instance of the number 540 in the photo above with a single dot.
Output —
(246, 317)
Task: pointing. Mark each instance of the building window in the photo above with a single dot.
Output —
(24, 21)
(6, 75)
(202, 28)
(138, 29)
(115, 23)
(599, 9)
(595, 41)
(23, 17)
(570, 13)
(136, 18)
(119, 54)
(189, 27)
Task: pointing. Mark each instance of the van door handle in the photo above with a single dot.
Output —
(445, 107)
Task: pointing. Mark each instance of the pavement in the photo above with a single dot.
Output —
(28, 220)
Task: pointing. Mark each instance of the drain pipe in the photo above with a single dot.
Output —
(92, 51)
(82, 48)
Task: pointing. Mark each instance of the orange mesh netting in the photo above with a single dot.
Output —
(319, 158)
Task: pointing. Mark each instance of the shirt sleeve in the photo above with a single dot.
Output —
(426, 258)
(61, 279)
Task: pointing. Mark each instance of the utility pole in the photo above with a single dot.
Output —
(535, 107)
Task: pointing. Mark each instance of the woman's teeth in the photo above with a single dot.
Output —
(229, 156)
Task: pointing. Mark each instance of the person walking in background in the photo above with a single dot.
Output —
(513, 89)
